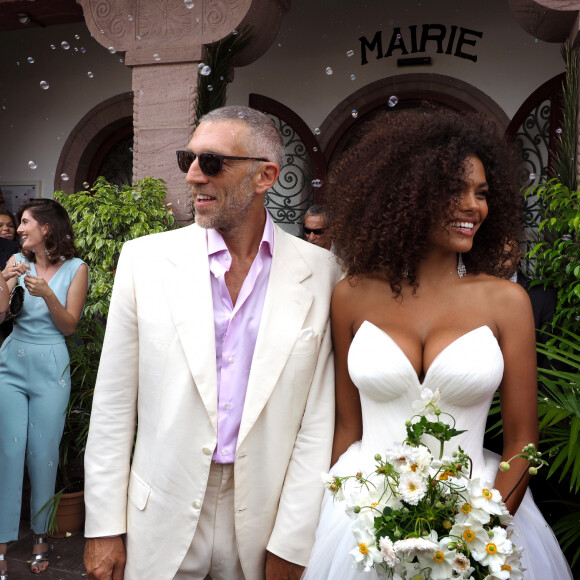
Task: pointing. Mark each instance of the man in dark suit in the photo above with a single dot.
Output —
(7, 249)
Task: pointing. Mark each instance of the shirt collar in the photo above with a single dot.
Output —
(216, 244)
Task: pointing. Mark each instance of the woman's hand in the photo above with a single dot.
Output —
(14, 269)
(37, 286)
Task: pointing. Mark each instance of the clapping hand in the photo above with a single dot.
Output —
(36, 286)
(14, 269)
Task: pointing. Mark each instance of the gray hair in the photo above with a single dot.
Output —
(316, 210)
(264, 139)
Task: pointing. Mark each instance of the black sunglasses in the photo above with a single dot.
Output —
(316, 231)
(210, 163)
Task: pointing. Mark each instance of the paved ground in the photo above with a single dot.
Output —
(66, 557)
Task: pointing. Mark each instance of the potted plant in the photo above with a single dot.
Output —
(104, 217)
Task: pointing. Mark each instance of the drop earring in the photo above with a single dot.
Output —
(461, 270)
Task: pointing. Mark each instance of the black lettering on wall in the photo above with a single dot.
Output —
(376, 42)
(451, 40)
(397, 43)
(463, 32)
(413, 30)
(434, 32)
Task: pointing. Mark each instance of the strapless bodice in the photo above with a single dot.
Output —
(467, 371)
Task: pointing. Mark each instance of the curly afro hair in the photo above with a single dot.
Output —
(400, 179)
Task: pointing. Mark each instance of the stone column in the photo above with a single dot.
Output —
(163, 44)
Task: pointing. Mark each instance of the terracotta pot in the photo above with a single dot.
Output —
(70, 515)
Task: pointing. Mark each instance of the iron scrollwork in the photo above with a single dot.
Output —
(292, 194)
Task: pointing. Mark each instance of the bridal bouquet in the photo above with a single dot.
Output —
(420, 517)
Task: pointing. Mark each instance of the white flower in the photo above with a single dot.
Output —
(414, 546)
(496, 550)
(473, 535)
(388, 552)
(419, 463)
(429, 402)
(469, 513)
(334, 485)
(366, 553)
(513, 564)
(439, 562)
(402, 455)
(498, 575)
(484, 496)
(461, 564)
(412, 487)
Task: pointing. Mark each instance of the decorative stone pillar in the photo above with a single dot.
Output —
(163, 44)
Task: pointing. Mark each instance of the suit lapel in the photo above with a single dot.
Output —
(188, 288)
(286, 306)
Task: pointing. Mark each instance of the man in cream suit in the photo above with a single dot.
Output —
(218, 344)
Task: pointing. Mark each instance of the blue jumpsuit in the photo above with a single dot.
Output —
(34, 393)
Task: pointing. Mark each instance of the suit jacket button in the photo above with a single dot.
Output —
(207, 451)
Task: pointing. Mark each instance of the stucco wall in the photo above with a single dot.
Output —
(35, 123)
(316, 35)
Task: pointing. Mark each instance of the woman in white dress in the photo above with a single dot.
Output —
(421, 237)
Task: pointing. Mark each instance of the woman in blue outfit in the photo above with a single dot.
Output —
(34, 374)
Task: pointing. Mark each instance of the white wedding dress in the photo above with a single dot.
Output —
(467, 372)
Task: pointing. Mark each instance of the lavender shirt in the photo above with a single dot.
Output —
(236, 330)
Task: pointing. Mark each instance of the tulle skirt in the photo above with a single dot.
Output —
(542, 557)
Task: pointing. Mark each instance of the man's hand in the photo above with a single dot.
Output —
(278, 569)
(105, 558)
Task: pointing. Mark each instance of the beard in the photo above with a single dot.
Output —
(233, 212)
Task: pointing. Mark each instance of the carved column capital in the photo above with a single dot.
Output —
(172, 31)
(548, 20)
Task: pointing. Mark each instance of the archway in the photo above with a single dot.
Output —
(91, 141)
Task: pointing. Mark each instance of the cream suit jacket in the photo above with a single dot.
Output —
(158, 366)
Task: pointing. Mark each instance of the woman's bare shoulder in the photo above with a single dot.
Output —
(503, 296)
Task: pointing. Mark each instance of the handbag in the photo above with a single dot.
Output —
(15, 303)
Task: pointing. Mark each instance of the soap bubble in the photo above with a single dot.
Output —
(354, 113)
(32, 165)
(83, 49)
(316, 183)
(352, 77)
(317, 131)
(112, 49)
(189, 4)
(44, 85)
(90, 75)
(559, 131)
(30, 60)
(64, 177)
(329, 70)
(65, 45)
(533, 175)
(86, 185)
(156, 57)
(350, 53)
(205, 71)
(53, 47)
(129, 17)
(77, 37)
(393, 100)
